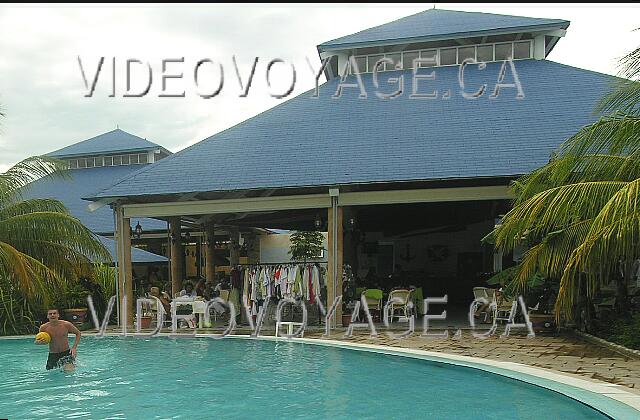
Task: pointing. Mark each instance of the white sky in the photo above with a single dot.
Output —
(42, 92)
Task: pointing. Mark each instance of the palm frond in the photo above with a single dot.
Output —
(615, 134)
(56, 228)
(571, 169)
(32, 206)
(27, 171)
(554, 208)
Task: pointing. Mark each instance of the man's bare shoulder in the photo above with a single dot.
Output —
(44, 326)
(71, 327)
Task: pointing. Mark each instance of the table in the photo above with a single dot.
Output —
(289, 326)
(197, 307)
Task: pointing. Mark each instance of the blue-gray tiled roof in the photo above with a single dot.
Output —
(308, 141)
(138, 256)
(116, 141)
(438, 23)
(84, 182)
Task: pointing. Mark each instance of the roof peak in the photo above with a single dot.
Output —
(439, 24)
(114, 141)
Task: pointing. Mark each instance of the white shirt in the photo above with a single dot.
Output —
(183, 292)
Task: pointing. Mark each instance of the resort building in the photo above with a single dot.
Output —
(404, 156)
(97, 163)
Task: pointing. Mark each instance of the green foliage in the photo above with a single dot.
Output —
(17, 315)
(41, 245)
(75, 296)
(305, 245)
(580, 213)
(105, 276)
(625, 332)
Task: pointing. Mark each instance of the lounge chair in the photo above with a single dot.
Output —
(483, 293)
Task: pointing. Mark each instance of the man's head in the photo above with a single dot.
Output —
(53, 314)
(188, 287)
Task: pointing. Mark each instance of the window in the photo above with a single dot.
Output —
(99, 162)
(361, 62)
(73, 164)
(407, 59)
(521, 50)
(503, 52)
(108, 161)
(485, 53)
(117, 160)
(133, 159)
(82, 163)
(466, 52)
(143, 158)
(431, 55)
(371, 62)
(125, 160)
(397, 60)
(447, 56)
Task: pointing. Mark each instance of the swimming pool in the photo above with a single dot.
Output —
(231, 378)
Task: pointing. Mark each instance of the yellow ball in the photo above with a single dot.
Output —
(43, 336)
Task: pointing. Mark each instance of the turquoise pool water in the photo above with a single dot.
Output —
(233, 378)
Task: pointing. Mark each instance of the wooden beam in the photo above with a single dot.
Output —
(125, 271)
(233, 205)
(316, 201)
(425, 195)
(210, 270)
(234, 246)
(334, 288)
(177, 255)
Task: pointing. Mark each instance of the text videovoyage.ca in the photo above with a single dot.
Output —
(516, 306)
(414, 83)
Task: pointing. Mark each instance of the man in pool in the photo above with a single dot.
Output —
(59, 352)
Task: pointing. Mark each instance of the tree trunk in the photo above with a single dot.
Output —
(621, 306)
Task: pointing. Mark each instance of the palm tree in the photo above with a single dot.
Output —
(41, 245)
(580, 213)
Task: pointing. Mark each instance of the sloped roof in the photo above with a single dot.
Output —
(85, 182)
(116, 141)
(321, 141)
(439, 23)
(138, 256)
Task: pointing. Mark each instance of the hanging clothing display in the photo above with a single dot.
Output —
(294, 281)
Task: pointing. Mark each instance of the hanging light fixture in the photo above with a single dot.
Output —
(138, 231)
(318, 221)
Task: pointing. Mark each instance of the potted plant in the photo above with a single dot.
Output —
(145, 321)
(76, 304)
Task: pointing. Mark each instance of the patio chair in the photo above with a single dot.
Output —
(483, 292)
(503, 307)
(403, 306)
(152, 307)
(224, 295)
(374, 300)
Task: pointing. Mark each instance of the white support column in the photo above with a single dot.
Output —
(539, 47)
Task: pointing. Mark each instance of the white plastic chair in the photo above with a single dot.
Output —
(392, 307)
